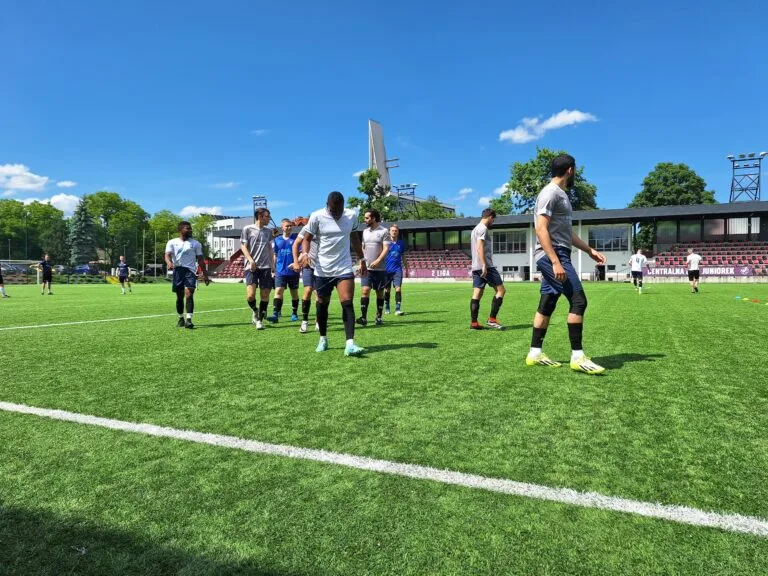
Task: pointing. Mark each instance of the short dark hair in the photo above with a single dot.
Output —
(260, 211)
(335, 198)
(489, 213)
(182, 224)
(284, 220)
(561, 164)
(375, 214)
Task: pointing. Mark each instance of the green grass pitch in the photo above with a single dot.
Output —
(680, 418)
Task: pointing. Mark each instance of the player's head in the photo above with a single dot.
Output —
(564, 166)
(286, 225)
(690, 250)
(262, 216)
(185, 229)
(122, 258)
(489, 215)
(372, 218)
(46, 257)
(394, 231)
(640, 251)
(335, 204)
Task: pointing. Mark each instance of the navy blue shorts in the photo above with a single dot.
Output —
(395, 279)
(325, 286)
(287, 281)
(183, 278)
(308, 277)
(636, 274)
(47, 277)
(262, 278)
(492, 277)
(123, 278)
(549, 284)
(375, 279)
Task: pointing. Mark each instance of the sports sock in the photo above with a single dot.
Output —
(190, 305)
(474, 308)
(252, 304)
(277, 305)
(379, 307)
(349, 318)
(495, 305)
(574, 335)
(263, 309)
(364, 301)
(322, 318)
(533, 352)
(2, 290)
(537, 340)
(576, 354)
(305, 306)
(387, 294)
(398, 299)
(180, 303)
(295, 305)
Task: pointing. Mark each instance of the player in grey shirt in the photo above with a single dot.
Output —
(554, 239)
(307, 262)
(376, 240)
(256, 245)
(484, 272)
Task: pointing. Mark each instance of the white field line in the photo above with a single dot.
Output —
(681, 514)
(30, 326)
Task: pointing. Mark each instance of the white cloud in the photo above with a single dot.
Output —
(501, 189)
(64, 202)
(225, 185)
(531, 129)
(260, 131)
(8, 193)
(66, 184)
(188, 211)
(358, 174)
(463, 193)
(484, 201)
(18, 177)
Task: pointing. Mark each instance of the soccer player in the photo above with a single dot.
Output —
(484, 272)
(306, 263)
(47, 269)
(376, 242)
(395, 267)
(637, 264)
(256, 244)
(335, 228)
(285, 275)
(554, 238)
(2, 286)
(692, 262)
(182, 256)
(122, 275)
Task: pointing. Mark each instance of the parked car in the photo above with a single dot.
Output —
(154, 270)
(61, 269)
(86, 269)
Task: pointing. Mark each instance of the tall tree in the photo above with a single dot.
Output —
(528, 178)
(162, 226)
(81, 240)
(201, 225)
(117, 220)
(375, 196)
(669, 184)
(55, 241)
(429, 209)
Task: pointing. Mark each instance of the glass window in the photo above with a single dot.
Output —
(436, 240)
(466, 239)
(737, 227)
(509, 241)
(666, 232)
(609, 239)
(452, 240)
(690, 230)
(714, 230)
(420, 240)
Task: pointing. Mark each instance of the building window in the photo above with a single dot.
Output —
(420, 240)
(613, 239)
(436, 240)
(452, 240)
(509, 241)
(466, 239)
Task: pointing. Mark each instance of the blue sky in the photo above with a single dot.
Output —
(201, 104)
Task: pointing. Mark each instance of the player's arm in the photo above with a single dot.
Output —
(247, 254)
(542, 234)
(295, 252)
(357, 246)
(481, 256)
(201, 263)
(168, 261)
(376, 263)
(584, 247)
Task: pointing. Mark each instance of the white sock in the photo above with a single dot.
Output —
(576, 354)
(2, 290)
(189, 315)
(122, 290)
(534, 352)
(323, 338)
(350, 342)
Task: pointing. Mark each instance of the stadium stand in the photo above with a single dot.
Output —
(733, 253)
(437, 259)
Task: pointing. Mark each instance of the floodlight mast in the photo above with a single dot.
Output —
(745, 182)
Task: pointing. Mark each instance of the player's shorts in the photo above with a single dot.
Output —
(183, 278)
(693, 275)
(395, 279)
(287, 281)
(261, 278)
(325, 286)
(550, 284)
(638, 275)
(123, 278)
(308, 277)
(1, 278)
(492, 277)
(47, 276)
(375, 280)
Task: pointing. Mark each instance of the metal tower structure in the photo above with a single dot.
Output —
(746, 176)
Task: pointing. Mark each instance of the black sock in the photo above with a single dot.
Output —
(305, 306)
(495, 305)
(379, 307)
(474, 308)
(386, 297)
(398, 297)
(180, 303)
(277, 305)
(252, 304)
(348, 313)
(322, 318)
(263, 309)
(295, 305)
(190, 304)
(574, 335)
(537, 341)
(641, 283)
(364, 301)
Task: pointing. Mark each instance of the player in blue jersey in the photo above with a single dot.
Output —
(46, 267)
(395, 266)
(285, 274)
(122, 274)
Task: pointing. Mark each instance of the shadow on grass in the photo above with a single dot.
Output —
(618, 360)
(34, 542)
(386, 347)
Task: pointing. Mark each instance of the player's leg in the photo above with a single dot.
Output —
(577, 299)
(2, 288)
(388, 292)
(365, 299)
(177, 286)
(639, 282)
(293, 286)
(397, 282)
(346, 290)
(478, 286)
(494, 279)
(550, 291)
(277, 302)
(696, 281)
(324, 288)
(250, 298)
(122, 286)
(190, 283)
(265, 288)
(307, 278)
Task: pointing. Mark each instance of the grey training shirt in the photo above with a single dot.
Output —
(553, 202)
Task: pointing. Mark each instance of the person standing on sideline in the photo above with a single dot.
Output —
(285, 275)
(306, 263)
(692, 262)
(395, 268)
(335, 229)
(554, 238)
(484, 272)
(2, 286)
(376, 242)
(259, 257)
(122, 274)
(46, 267)
(182, 256)
(637, 265)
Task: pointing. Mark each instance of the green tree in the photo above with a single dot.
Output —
(24, 225)
(528, 178)
(161, 227)
(375, 196)
(55, 241)
(81, 240)
(668, 184)
(118, 223)
(201, 225)
(429, 209)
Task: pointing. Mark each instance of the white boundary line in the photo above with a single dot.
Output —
(30, 326)
(680, 514)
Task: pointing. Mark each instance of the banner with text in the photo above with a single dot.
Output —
(704, 271)
(444, 273)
